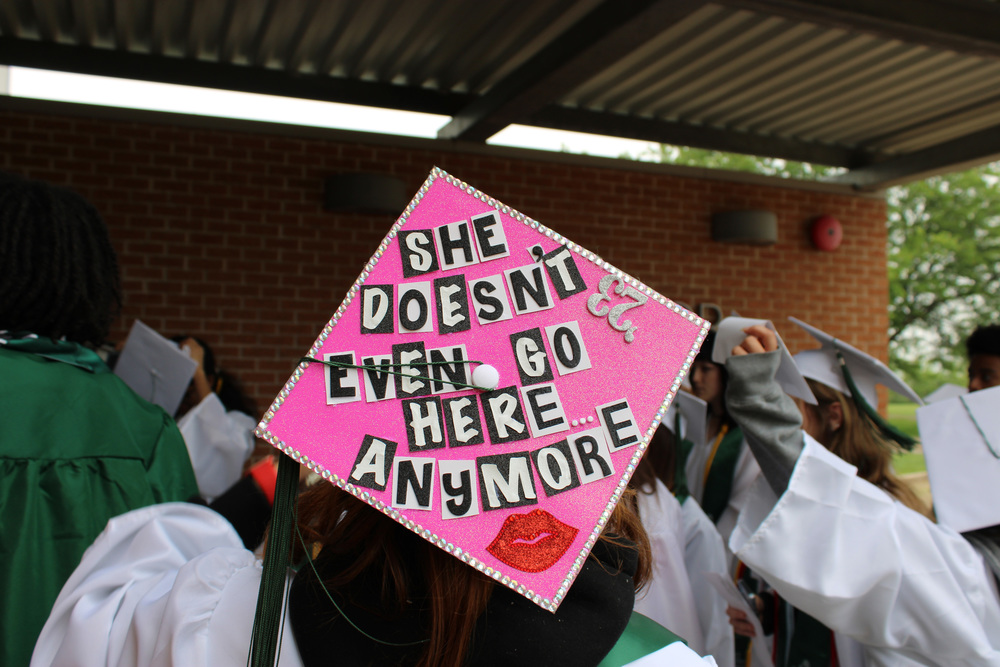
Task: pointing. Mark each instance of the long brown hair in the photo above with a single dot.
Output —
(858, 444)
(332, 519)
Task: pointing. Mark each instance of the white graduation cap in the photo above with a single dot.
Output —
(866, 371)
(961, 441)
(155, 367)
(729, 334)
(944, 392)
(694, 416)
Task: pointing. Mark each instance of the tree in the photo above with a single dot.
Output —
(943, 256)
(944, 263)
(768, 166)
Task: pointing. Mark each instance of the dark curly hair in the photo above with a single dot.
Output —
(58, 272)
(984, 340)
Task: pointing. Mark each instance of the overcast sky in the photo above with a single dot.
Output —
(48, 85)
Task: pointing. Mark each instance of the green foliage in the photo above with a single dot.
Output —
(944, 266)
(943, 258)
(700, 157)
(926, 375)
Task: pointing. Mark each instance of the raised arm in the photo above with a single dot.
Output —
(844, 551)
(771, 422)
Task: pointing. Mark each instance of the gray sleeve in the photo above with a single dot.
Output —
(771, 422)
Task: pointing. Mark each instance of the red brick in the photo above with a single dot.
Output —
(223, 233)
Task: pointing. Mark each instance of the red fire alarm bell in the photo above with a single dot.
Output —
(826, 233)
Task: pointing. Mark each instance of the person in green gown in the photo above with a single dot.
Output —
(77, 446)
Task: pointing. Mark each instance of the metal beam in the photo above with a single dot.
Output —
(955, 155)
(694, 136)
(611, 31)
(963, 26)
(898, 137)
(191, 72)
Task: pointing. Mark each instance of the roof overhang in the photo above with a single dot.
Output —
(889, 91)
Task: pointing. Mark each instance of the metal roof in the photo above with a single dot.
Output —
(891, 90)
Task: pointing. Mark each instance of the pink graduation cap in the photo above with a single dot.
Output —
(488, 384)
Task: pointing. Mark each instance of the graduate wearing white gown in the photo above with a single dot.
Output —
(685, 544)
(172, 585)
(895, 587)
(704, 551)
(840, 549)
(668, 598)
(217, 428)
(219, 442)
(745, 473)
(683, 541)
(720, 468)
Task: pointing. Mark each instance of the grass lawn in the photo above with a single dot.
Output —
(909, 462)
(903, 416)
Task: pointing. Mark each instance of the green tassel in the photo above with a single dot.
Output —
(265, 640)
(883, 427)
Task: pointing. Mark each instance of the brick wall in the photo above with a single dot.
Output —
(221, 232)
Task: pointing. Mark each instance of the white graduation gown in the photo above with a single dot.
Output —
(685, 544)
(166, 585)
(909, 591)
(172, 585)
(746, 473)
(668, 598)
(218, 442)
(705, 552)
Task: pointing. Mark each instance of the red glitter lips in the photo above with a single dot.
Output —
(532, 542)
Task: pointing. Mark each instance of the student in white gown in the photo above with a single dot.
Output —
(684, 544)
(843, 421)
(720, 470)
(217, 420)
(897, 588)
(173, 585)
(704, 551)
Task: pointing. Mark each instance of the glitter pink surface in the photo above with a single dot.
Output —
(642, 371)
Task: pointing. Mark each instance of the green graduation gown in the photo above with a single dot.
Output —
(77, 447)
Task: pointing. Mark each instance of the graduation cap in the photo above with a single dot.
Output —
(155, 367)
(488, 384)
(687, 419)
(729, 334)
(944, 392)
(961, 442)
(854, 373)
(691, 413)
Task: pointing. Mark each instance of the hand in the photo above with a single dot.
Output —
(738, 619)
(201, 384)
(194, 350)
(759, 339)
